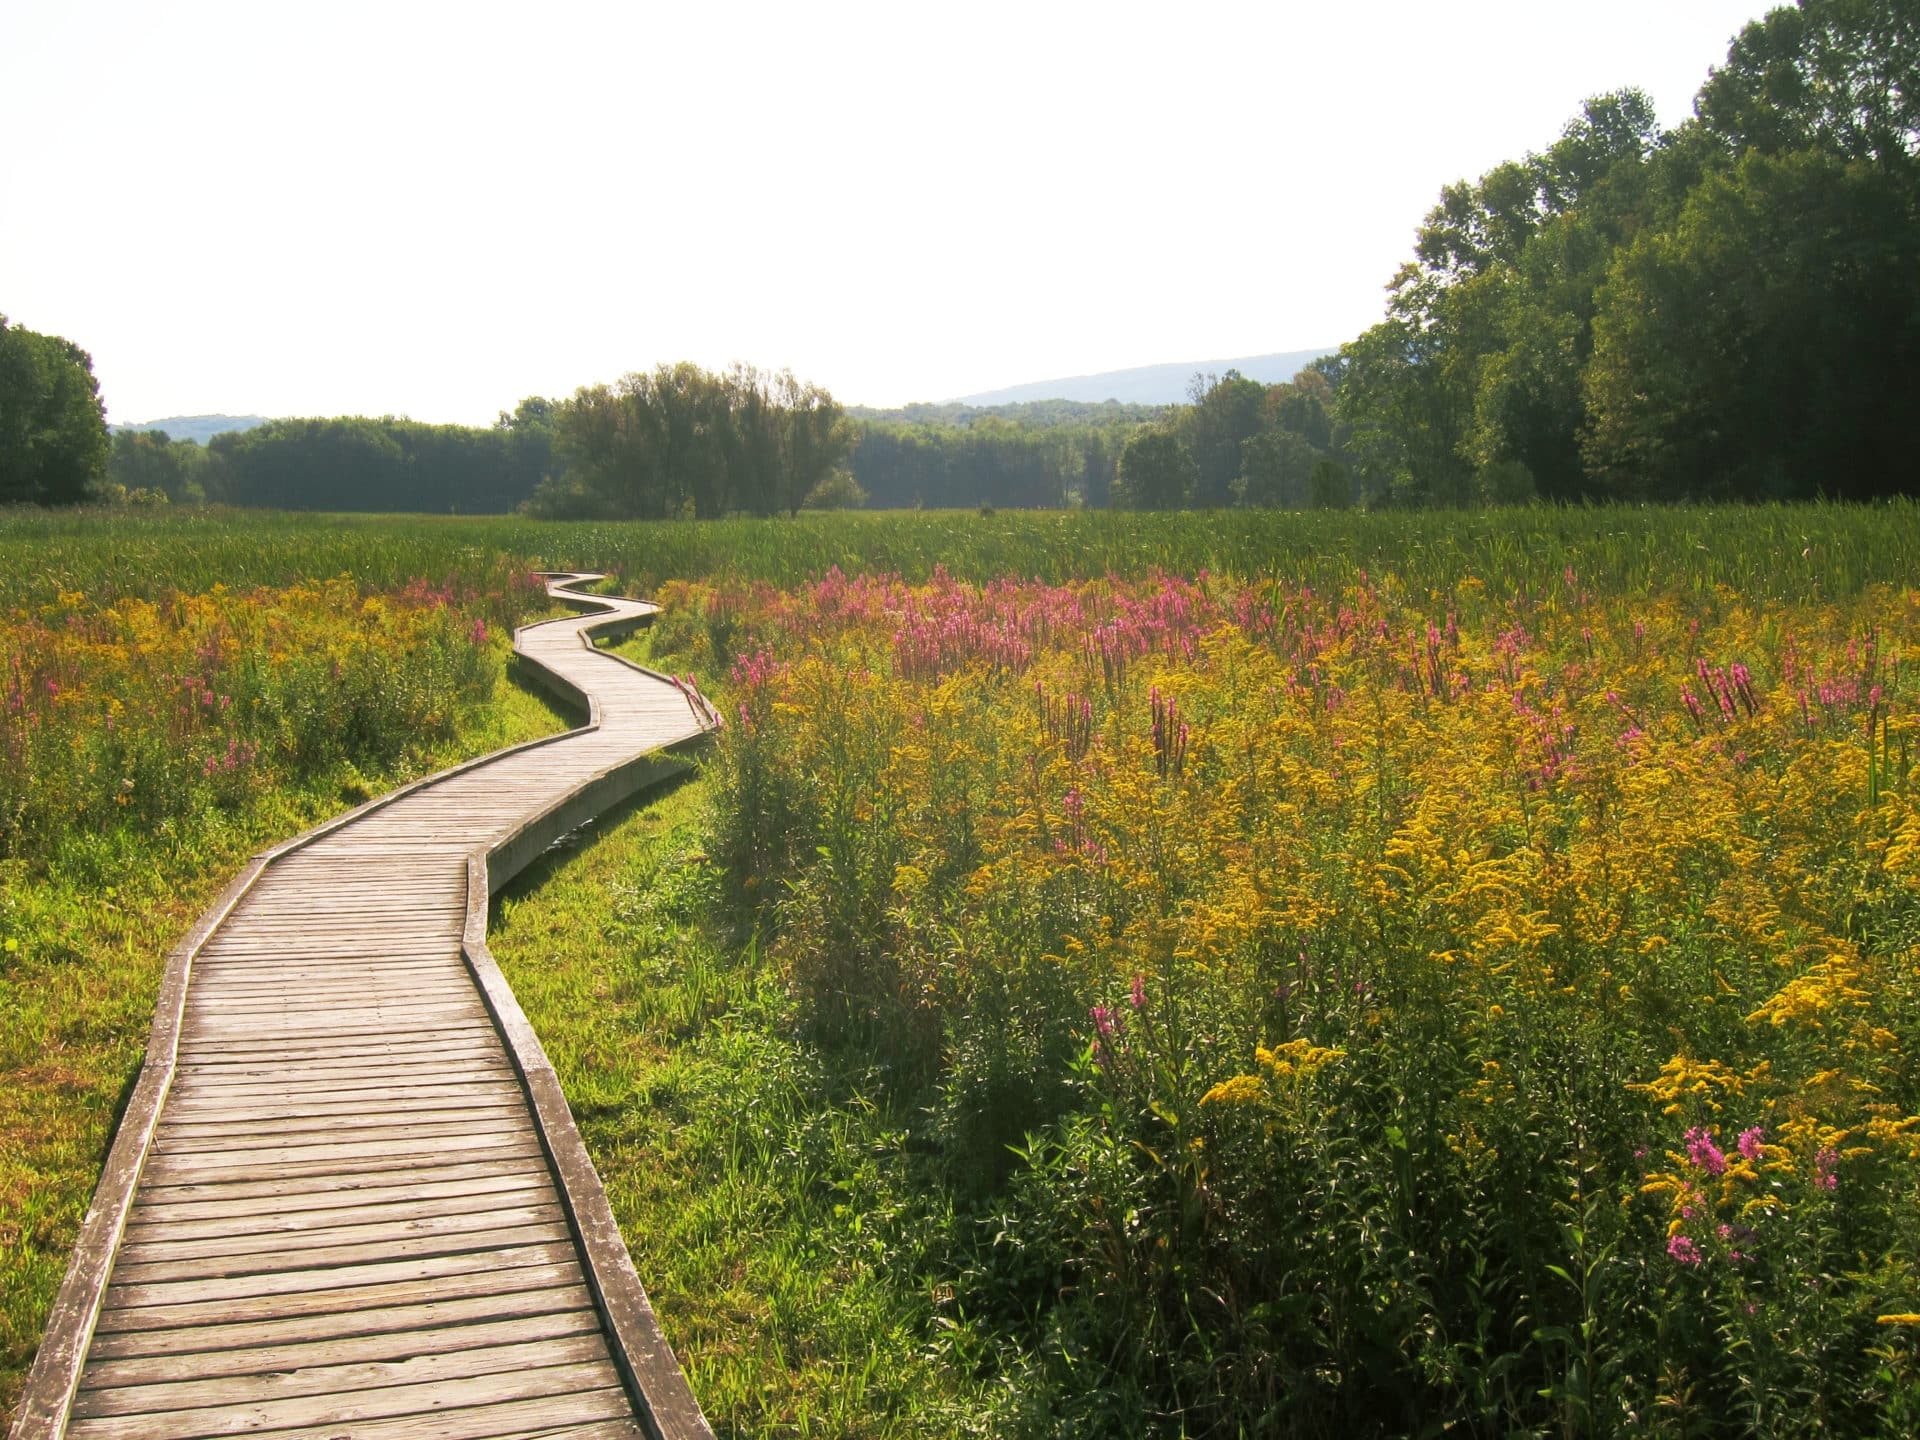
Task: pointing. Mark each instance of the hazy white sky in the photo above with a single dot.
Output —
(435, 209)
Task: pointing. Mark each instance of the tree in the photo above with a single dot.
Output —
(53, 428)
(1330, 487)
(147, 461)
(1841, 76)
(1225, 414)
(1769, 343)
(1276, 468)
(1155, 471)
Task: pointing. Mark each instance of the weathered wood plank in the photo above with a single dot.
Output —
(338, 1288)
(354, 1350)
(289, 1249)
(137, 1271)
(143, 1226)
(205, 1392)
(294, 1205)
(566, 1388)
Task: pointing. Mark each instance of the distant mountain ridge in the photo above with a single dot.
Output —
(1149, 384)
(197, 428)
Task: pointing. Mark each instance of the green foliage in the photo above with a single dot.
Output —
(386, 464)
(683, 442)
(53, 428)
(1156, 472)
(1720, 310)
(150, 462)
(838, 491)
(1744, 352)
(986, 461)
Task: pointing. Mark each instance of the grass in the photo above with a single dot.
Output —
(1765, 552)
(763, 1218)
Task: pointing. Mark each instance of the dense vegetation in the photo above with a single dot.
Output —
(53, 429)
(1730, 308)
(1372, 1008)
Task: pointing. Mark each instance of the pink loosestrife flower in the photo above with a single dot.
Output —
(1750, 1142)
(1703, 1153)
(1683, 1250)
(1826, 1166)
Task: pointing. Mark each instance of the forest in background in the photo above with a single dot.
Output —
(1729, 309)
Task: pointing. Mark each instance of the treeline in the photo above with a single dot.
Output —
(679, 441)
(1035, 456)
(1241, 443)
(1729, 309)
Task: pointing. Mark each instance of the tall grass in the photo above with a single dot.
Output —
(1779, 552)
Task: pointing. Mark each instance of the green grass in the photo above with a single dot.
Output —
(767, 1204)
(84, 948)
(1765, 552)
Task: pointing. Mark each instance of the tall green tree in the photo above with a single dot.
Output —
(1223, 415)
(1768, 345)
(1155, 472)
(53, 427)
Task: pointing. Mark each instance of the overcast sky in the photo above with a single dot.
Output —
(434, 210)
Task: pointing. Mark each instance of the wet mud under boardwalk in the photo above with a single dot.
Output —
(351, 1216)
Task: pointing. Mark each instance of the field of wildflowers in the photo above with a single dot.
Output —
(1364, 1008)
(1467, 983)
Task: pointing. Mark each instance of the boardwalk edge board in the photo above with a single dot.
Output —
(659, 1388)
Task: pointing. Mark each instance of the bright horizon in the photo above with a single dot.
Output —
(436, 210)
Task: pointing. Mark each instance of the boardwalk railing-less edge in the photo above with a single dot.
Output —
(347, 1200)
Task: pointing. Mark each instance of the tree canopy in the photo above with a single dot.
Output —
(53, 428)
(1730, 308)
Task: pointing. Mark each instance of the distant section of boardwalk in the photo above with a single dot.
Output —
(347, 1198)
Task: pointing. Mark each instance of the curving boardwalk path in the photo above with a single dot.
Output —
(347, 1199)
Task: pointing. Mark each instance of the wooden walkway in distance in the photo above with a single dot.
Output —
(347, 1198)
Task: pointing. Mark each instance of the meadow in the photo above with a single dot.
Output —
(1232, 974)
(1375, 1009)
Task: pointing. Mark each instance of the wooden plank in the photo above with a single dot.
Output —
(371, 1087)
(205, 1113)
(504, 1305)
(264, 1296)
(210, 1392)
(291, 1206)
(142, 1226)
(341, 1183)
(135, 1271)
(276, 1249)
(566, 1388)
(184, 1169)
(391, 1050)
(358, 1349)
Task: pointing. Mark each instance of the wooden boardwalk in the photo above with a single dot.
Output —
(347, 1198)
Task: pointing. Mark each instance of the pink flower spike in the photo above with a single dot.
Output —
(1139, 996)
(1750, 1141)
(1702, 1152)
(1682, 1249)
